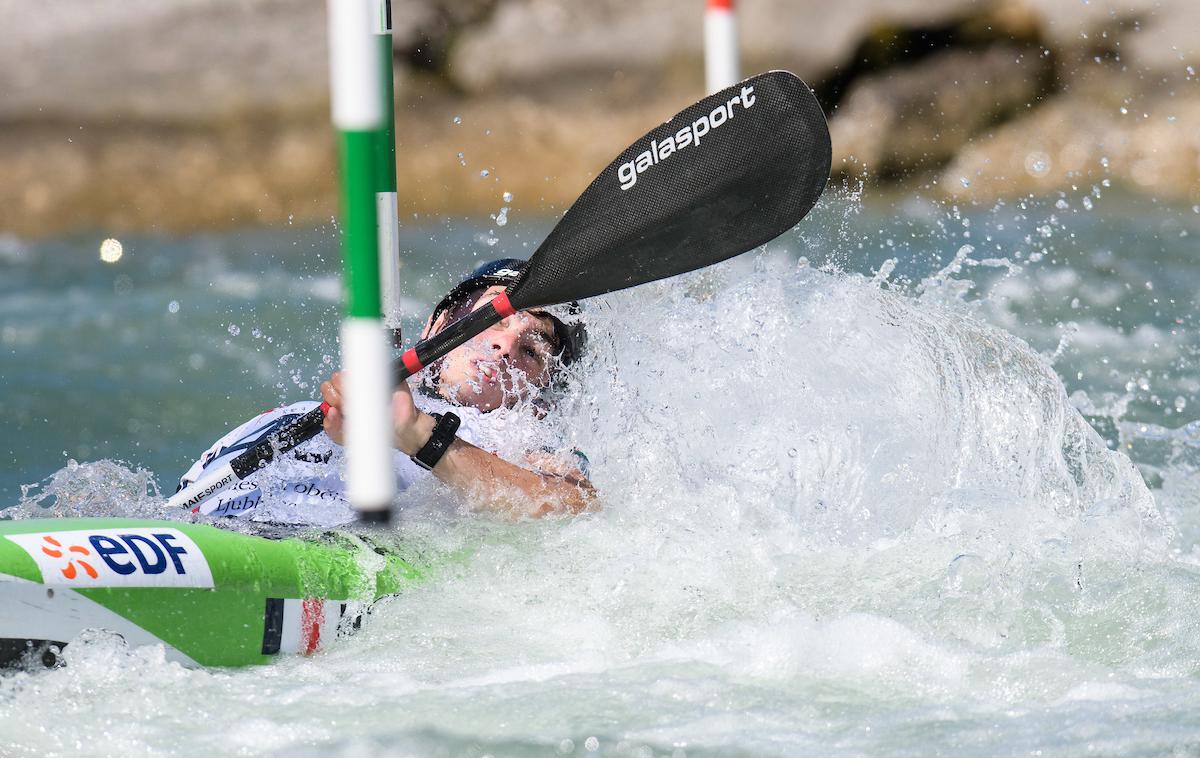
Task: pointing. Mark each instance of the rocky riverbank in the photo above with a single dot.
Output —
(137, 114)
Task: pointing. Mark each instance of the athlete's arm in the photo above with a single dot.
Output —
(484, 478)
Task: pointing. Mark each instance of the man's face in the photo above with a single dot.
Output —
(503, 364)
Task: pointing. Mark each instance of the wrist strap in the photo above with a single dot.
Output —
(439, 442)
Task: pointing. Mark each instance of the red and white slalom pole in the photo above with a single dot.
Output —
(720, 46)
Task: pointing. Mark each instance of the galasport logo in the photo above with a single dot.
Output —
(134, 557)
(659, 151)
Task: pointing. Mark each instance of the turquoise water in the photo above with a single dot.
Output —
(915, 479)
(136, 360)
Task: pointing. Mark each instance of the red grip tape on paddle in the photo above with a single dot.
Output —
(411, 361)
(503, 306)
(726, 5)
(325, 408)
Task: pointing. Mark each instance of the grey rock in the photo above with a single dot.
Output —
(918, 117)
(136, 113)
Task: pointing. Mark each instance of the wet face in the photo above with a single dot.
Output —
(503, 365)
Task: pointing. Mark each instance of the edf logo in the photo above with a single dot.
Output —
(129, 557)
(127, 553)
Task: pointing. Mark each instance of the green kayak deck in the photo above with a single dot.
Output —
(212, 597)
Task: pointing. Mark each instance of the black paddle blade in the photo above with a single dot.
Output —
(735, 170)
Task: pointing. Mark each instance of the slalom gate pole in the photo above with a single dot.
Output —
(385, 182)
(720, 46)
(359, 116)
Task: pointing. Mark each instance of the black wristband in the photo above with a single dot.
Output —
(439, 442)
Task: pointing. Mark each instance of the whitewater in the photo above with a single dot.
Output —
(911, 480)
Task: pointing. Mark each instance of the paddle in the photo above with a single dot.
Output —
(723, 176)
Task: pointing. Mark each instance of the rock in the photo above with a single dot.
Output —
(139, 113)
(530, 42)
(906, 120)
(1075, 144)
(1156, 37)
(185, 60)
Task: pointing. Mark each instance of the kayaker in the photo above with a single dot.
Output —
(448, 428)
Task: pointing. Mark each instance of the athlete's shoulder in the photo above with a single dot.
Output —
(246, 435)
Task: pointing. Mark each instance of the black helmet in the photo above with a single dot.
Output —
(569, 333)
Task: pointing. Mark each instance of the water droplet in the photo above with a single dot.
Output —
(1061, 204)
(566, 747)
(1075, 303)
(173, 306)
(1124, 110)
(484, 173)
(591, 744)
(502, 216)
(1037, 164)
(235, 330)
(1191, 70)
(1180, 404)
(964, 181)
(793, 452)
(507, 197)
(458, 119)
(1087, 202)
(111, 250)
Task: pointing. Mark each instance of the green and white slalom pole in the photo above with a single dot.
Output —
(720, 45)
(359, 115)
(385, 182)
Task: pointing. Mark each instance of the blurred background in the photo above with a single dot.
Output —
(137, 114)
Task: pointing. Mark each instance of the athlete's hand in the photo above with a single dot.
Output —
(331, 392)
(411, 428)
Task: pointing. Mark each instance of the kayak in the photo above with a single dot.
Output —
(209, 596)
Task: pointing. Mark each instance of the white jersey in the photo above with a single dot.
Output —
(305, 486)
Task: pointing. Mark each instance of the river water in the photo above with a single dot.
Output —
(913, 480)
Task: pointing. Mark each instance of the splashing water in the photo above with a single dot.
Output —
(843, 514)
(104, 488)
